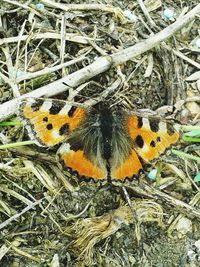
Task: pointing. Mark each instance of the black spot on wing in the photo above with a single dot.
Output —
(37, 104)
(158, 139)
(140, 122)
(45, 119)
(49, 126)
(71, 111)
(154, 125)
(56, 107)
(64, 129)
(152, 144)
(139, 141)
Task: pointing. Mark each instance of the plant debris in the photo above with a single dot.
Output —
(137, 55)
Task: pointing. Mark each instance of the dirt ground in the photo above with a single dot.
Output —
(48, 216)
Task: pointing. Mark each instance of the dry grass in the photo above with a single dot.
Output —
(47, 216)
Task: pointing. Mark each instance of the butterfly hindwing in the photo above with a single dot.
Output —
(49, 121)
(129, 168)
(77, 161)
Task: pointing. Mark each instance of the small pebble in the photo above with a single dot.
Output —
(130, 15)
(184, 225)
(191, 255)
(168, 13)
(197, 42)
(197, 244)
(152, 174)
(40, 6)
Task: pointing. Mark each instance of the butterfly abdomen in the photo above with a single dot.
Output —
(106, 122)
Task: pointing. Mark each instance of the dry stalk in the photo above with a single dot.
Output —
(92, 230)
(17, 215)
(146, 13)
(87, 7)
(72, 37)
(180, 206)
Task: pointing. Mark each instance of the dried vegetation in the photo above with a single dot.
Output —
(47, 216)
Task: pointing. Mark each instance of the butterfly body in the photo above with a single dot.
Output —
(98, 142)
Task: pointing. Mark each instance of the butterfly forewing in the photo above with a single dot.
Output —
(150, 136)
(49, 122)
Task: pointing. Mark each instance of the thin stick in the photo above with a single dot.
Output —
(72, 37)
(80, 7)
(185, 155)
(152, 41)
(14, 217)
(146, 13)
(150, 192)
(189, 60)
(47, 70)
(12, 145)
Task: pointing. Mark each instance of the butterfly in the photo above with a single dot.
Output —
(98, 142)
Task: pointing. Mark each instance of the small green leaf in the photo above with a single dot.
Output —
(191, 139)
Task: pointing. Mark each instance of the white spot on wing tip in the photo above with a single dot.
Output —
(46, 106)
(65, 110)
(145, 123)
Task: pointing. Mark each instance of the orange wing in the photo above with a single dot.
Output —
(146, 138)
(128, 169)
(150, 136)
(76, 161)
(49, 121)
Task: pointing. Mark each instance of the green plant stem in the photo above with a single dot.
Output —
(191, 139)
(10, 123)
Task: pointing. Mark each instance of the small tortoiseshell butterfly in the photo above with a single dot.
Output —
(98, 142)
